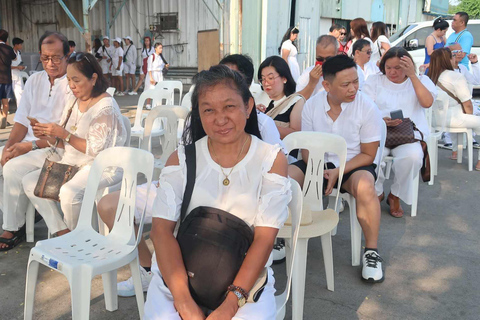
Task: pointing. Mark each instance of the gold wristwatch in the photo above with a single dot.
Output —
(241, 295)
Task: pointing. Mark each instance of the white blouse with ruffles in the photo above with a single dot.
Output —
(254, 195)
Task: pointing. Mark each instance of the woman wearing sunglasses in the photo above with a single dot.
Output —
(286, 106)
(91, 122)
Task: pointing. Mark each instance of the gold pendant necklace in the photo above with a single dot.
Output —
(74, 127)
(226, 181)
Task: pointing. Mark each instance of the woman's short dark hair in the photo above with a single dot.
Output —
(359, 45)
(283, 70)
(219, 74)
(395, 52)
(88, 65)
(16, 41)
(440, 23)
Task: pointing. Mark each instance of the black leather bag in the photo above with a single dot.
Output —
(214, 244)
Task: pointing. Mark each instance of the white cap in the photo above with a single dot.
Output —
(106, 37)
(128, 37)
(118, 40)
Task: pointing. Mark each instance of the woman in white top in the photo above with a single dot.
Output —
(17, 68)
(117, 66)
(93, 125)
(399, 88)
(130, 63)
(258, 192)
(289, 51)
(286, 106)
(441, 72)
(146, 52)
(359, 30)
(380, 40)
(155, 67)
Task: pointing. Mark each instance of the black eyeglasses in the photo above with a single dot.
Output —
(322, 59)
(54, 59)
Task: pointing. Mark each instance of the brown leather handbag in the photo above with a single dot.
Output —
(54, 175)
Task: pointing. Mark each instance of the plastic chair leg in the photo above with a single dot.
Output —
(135, 270)
(470, 149)
(355, 233)
(432, 145)
(110, 290)
(328, 259)
(435, 172)
(298, 279)
(331, 205)
(388, 169)
(415, 183)
(460, 147)
(30, 222)
(80, 287)
(31, 284)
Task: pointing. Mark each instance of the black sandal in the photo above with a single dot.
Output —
(18, 236)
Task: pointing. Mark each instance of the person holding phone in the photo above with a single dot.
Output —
(310, 82)
(399, 88)
(44, 97)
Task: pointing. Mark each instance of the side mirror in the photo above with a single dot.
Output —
(413, 44)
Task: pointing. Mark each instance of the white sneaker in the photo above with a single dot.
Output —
(120, 94)
(127, 289)
(148, 107)
(372, 267)
(279, 251)
(132, 93)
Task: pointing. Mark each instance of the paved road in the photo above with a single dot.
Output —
(432, 264)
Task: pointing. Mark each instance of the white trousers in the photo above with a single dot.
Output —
(71, 198)
(457, 119)
(15, 201)
(159, 304)
(17, 85)
(407, 161)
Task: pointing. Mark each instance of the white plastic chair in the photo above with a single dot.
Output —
(315, 221)
(436, 118)
(24, 75)
(355, 228)
(169, 140)
(83, 253)
(260, 96)
(187, 101)
(158, 97)
(171, 86)
(292, 228)
(111, 91)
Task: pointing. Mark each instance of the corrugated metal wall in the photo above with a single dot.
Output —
(29, 19)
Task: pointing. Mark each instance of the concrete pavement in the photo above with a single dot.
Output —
(431, 263)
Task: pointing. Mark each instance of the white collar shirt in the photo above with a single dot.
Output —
(358, 122)
(303, 80)
(42, 101)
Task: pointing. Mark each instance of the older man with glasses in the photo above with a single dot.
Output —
(43, 100)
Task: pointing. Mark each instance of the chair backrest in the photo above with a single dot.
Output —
(438, 120)
(128, 127)
(169, 139)
(187, 101)
(317, 144)
(379, 156)
(295, 215)
(24, 75)
(132, 161)
(111, 91)
(157, 96)
(171, 85)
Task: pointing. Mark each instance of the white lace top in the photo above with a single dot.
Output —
(101, 125)
(258, 197)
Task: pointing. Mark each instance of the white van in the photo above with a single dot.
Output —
(413, 36)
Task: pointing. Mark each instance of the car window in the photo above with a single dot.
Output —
(475, 31)
(420, 35)
(400, 33)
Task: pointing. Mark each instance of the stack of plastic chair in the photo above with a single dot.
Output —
(355, 228)
(83, 253)
(292, 227)
(315, 221)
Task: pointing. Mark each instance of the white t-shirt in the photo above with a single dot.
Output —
(391, 96)
(288, 45)
(131, 54)
(42, 101)
(107, 54)
(359, 122)
(456, 83)
(376, 46)
(15, 63)
(368, 69)
(303, 81)
(254, 195)
(117, 54)
(147, 52)
(472, 76)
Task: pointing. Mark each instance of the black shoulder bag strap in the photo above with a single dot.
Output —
(163, 59)
(191, 161)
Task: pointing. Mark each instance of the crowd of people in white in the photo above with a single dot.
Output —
(355, 86)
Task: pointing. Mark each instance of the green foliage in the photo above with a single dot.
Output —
(472, 7)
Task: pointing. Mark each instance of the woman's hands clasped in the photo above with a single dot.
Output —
(43, 130)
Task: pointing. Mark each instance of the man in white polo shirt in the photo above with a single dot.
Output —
(342, 110)
(44, 98)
